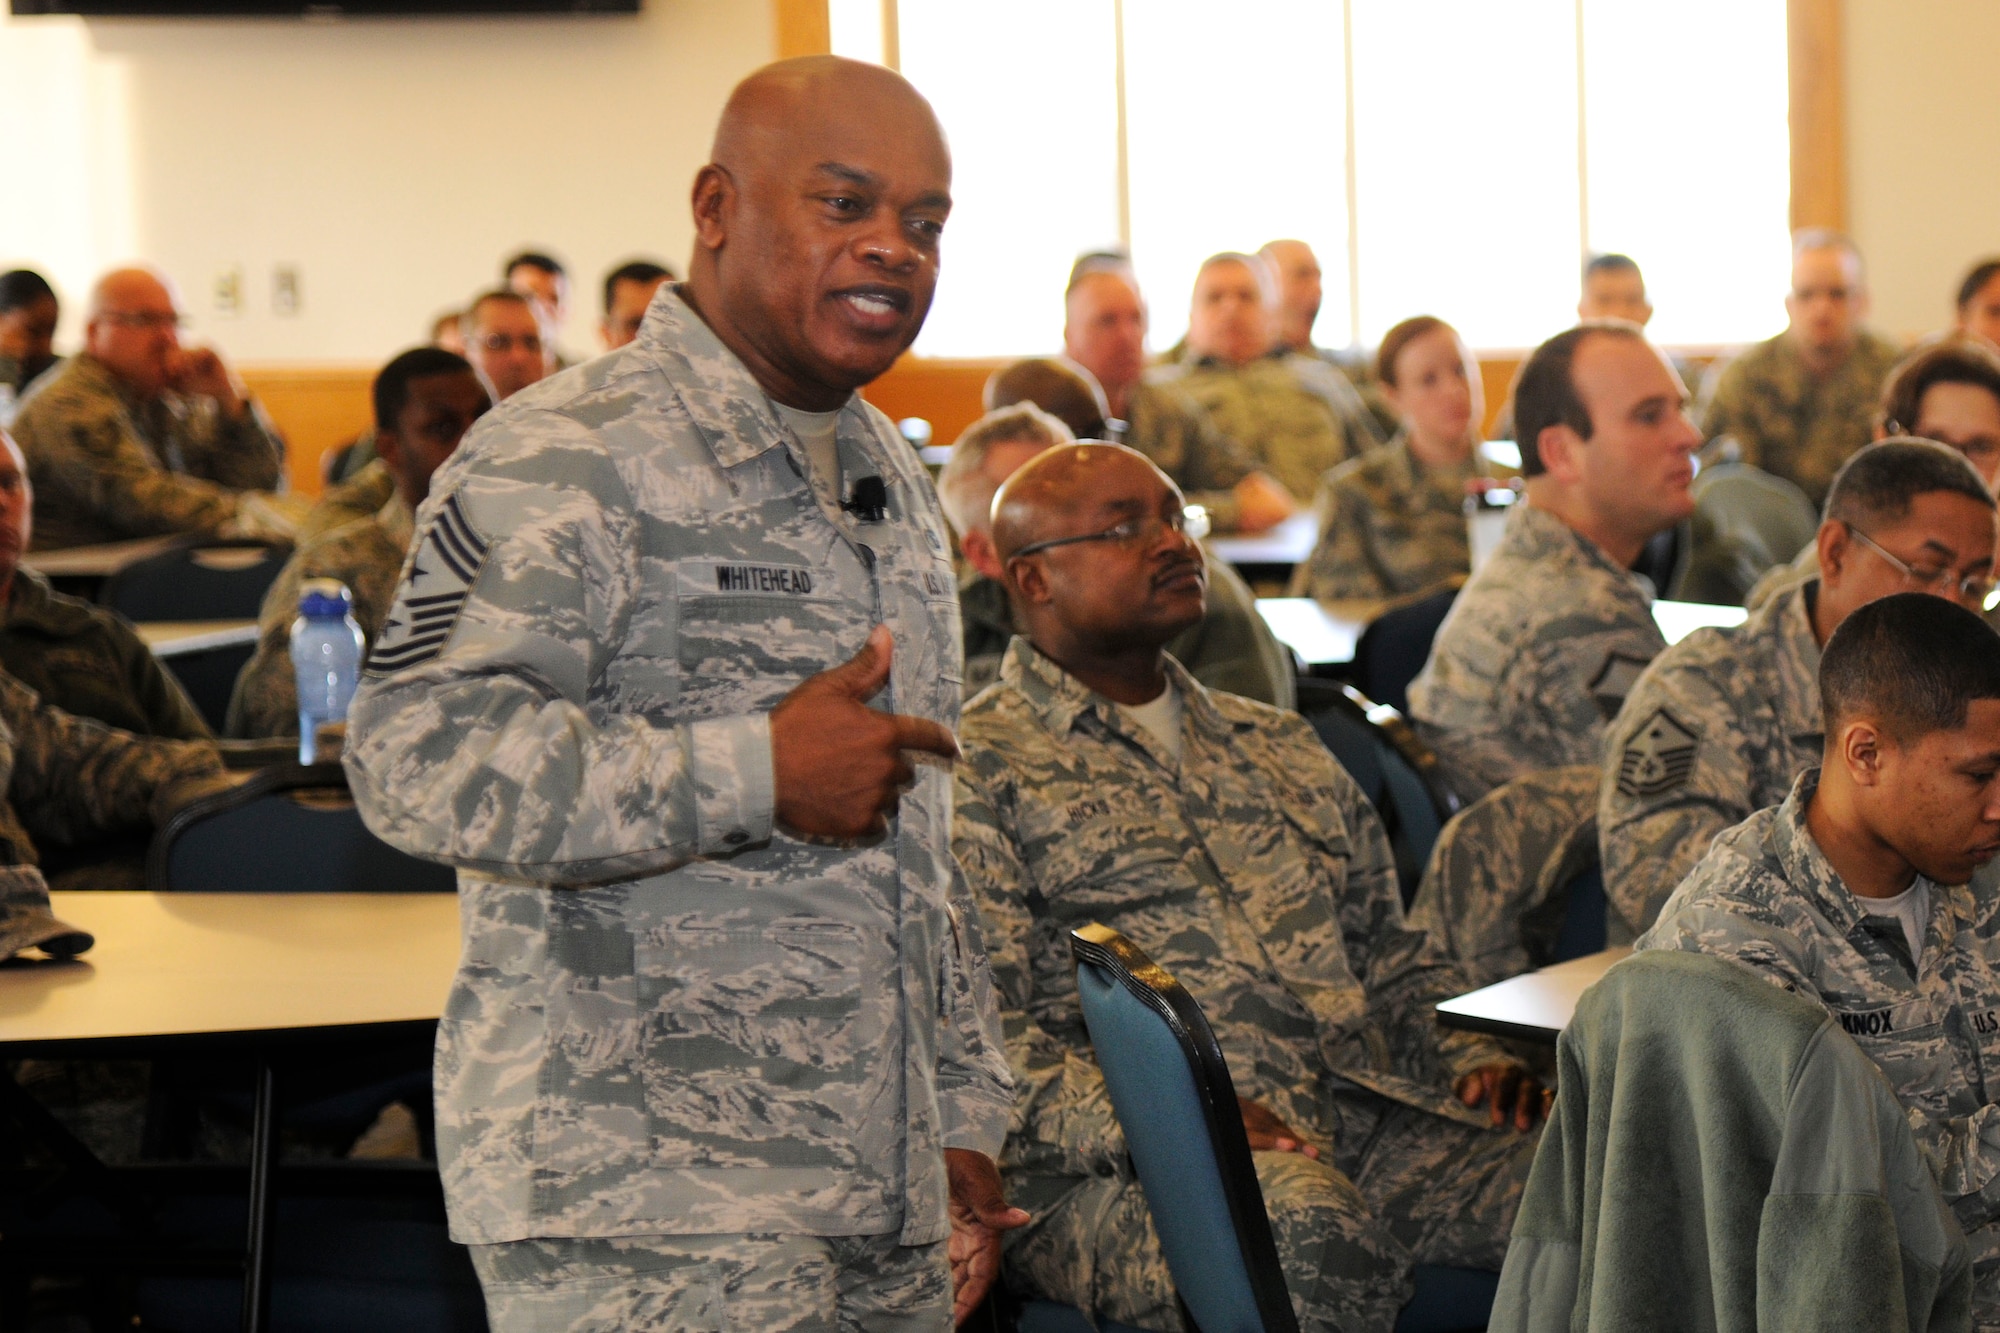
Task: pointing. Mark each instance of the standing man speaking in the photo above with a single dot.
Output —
(671, 678)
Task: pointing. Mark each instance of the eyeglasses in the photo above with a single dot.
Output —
(149, 321)
(1973, 588)
(1133, 533)
(504, 342)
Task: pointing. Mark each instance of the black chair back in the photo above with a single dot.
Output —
(1395, 771)
(210, 580)
(286, 830)
(1395, 646)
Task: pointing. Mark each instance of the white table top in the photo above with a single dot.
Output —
(1536, 1007)
(1321, 638)
(1677, 620)
(172, 638)
(95, 561)
(182, 964)
(1289, 543)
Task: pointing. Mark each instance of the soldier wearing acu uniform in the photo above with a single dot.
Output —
(1722, 723)
(425, 400)
(722, 1039)
(1101, 782)
(1854, 892)
(137, 436)
(1294, 414)
(1799, 404)
(1548, 637)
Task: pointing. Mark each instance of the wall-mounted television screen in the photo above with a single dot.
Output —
(315, 8)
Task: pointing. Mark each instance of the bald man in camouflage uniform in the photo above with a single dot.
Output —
(1239, 856)
(1723, 722)
(1917, 988)
(722, 1043)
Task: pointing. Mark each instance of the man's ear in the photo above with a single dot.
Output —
(1028, 581)
(714, 201)
(1862, 749)
(1834, 544)
(977, 548)
(389, 448)
(1557, 446)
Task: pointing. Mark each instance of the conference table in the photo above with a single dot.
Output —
(97, 562)
(1323, 639)
(182, 638)
(260, 976)
(1533, 1007)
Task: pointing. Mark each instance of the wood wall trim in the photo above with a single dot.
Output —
(803, 28)
(1818, 110)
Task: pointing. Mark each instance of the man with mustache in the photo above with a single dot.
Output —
(1102, 782)
(672, 677)
(1865, 891)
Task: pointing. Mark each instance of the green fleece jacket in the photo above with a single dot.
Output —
(1722, 1156)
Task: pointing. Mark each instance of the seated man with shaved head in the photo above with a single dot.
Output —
(1102, 782)
(1230, 648)
(138, 436)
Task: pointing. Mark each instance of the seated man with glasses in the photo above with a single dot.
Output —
(138, 436)
(503, 341)
(1723, 722)
(1101, 782)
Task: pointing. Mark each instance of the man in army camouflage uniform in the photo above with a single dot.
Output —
(425, 401)
(1722, 723)
(1230, 648)
(1855, 892)
(1104, 331)
(722, 1041)
(1798, 404)
(1294, 413)
(138, 436)
(1101, 782)
(1543, 644)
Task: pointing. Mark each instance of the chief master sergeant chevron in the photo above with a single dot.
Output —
(722, 1050)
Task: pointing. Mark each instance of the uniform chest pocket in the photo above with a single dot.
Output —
(1905, 1039)
(751, 1034)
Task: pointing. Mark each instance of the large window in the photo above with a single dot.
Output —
(1451, 157)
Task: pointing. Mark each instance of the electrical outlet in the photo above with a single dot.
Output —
(229, 291)
(285, 289)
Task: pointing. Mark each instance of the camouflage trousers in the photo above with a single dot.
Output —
(1419, 1189)
(715, 1283)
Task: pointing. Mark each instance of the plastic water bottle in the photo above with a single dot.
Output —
(326, 658)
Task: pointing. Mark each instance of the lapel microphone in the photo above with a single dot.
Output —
(868, 500)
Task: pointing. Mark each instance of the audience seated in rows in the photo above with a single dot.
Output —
(628, 290)
(1548, 637)
(1978, 304)
(1101, 782)
(28, 316)
(425, 401)
(1228, 648)
(543, 282)
(1292, 412)
(1392, 525)
(1948, 391)
(1723, 722)
(1854, 892)
(138, 436)
(1798, 404)
(1104, 331)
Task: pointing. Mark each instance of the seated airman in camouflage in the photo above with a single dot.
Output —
(1229, 648)
(1104, 331)
(1392, 523)
(1722, 723)
(1102, 782)
(1296, 415)
(1548, 637)
(137, 436)
(1859, 891)
(425, 401)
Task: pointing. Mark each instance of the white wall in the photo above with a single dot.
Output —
(1923, 139)
(393, 162)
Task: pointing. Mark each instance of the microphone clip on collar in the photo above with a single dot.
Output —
(868, 500)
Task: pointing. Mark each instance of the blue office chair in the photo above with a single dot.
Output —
(1171, 1089)
(286, 829)
(1395, 771)
(209, 580)
(1585, 919)
(1395, 646)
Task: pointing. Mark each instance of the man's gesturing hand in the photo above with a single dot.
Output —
(840, 765)
(979, 1213)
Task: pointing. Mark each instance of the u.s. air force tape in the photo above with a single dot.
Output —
(1658, 758)
(428, 603)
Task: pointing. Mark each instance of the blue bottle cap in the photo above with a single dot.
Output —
(324, 599)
